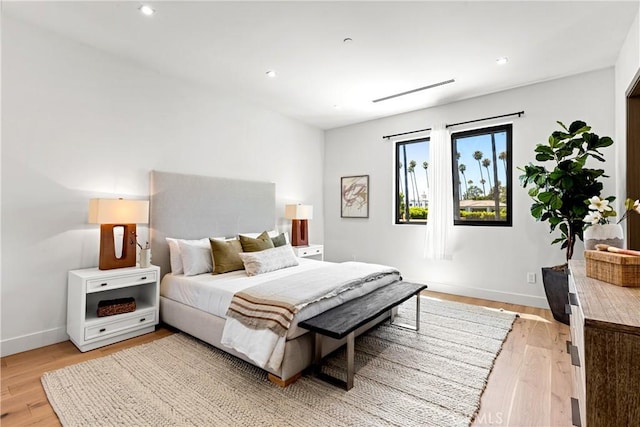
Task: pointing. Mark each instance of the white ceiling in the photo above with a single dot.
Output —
(397, 46)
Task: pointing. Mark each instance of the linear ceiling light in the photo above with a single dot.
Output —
(414, 90)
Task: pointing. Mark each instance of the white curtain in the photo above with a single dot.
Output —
(440, 194)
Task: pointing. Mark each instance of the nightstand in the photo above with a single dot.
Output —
(87, 287)
(309, 251)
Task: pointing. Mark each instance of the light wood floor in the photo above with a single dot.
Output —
(530, 384)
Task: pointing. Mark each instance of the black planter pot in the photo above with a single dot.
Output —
(556, 287)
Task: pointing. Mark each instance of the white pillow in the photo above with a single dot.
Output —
(196, 256)
(174, 255)
(268, 260)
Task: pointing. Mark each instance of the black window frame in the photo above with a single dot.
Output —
(396, 212)
(508, 129)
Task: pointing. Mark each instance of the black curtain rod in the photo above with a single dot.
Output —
(519, 114)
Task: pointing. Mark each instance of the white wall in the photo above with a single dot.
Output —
(489, 262)
(79, 123)
(627, 66)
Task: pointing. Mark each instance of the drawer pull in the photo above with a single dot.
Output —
(575, 412)
(575, 358)
(103, 329)
(143, 319)
(143, 278)
(573, 299)
(103, 284)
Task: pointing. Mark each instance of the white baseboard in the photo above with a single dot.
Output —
(490, 294)
(56, 335)
(30, 341)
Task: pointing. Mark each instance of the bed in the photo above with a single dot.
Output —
(190, 207)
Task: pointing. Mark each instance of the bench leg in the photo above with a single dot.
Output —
(404, 325)
(350, 356)
(317, 361)
(348, 384)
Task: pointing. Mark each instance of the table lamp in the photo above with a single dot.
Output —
(299, 214)
(117, 216)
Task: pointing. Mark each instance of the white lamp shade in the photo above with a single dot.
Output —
(298, 211)
(118, 211)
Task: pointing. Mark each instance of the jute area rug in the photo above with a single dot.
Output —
(431, 378)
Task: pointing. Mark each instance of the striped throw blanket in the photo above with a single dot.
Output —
(272, 305)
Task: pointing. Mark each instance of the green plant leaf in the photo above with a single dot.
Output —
(556, 202)
(577, 126)
(545, 196)
(543, 157)
(536, 210)
(605, 141)
(563, 126)
(555, 220)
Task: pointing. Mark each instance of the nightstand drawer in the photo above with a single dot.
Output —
(143, 318)
(302, 252)
(98, 285)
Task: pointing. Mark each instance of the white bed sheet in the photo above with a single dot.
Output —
(212, 293)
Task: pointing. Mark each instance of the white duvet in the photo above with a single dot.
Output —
(213, 294)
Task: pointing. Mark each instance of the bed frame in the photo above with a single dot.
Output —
(193, 207)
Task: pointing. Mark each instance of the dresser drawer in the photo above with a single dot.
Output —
(145, 317)
(98, 285)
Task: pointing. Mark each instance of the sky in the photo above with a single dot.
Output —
(466, 147)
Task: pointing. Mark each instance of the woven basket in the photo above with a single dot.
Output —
(116, 306)
(618, 269)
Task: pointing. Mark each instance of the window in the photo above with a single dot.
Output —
(482, 176)
(412, 162)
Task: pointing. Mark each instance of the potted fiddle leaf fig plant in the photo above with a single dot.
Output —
(559, 192)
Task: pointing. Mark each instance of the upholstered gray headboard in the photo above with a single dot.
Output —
(193, 207)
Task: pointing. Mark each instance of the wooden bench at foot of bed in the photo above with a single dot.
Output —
(343, 320)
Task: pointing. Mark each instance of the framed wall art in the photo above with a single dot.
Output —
(354, 196)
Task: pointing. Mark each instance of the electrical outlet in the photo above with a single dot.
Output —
(531, 277)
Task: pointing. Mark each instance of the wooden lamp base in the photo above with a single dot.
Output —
(299, 232)
(108, 259)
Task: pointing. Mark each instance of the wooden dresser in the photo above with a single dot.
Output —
(604, 350)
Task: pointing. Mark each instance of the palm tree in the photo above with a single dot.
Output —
(407, 212)
(412, 171)
(503, 156)
(401, 190)
(477, 155)
(425, 165)
(462, 168)
(486, 163)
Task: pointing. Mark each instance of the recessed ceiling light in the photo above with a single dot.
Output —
(147, 10)
(503, 60)
(271, 73)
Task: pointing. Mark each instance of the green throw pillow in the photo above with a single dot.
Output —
(280, 240)
(225, 255)
(262, 242)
